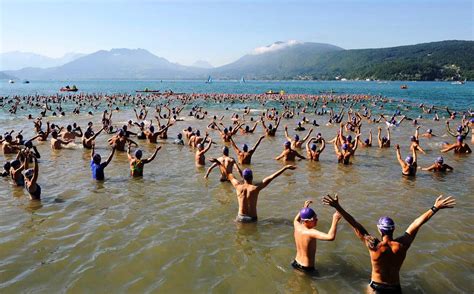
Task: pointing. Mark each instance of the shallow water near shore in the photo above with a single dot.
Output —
(174, 232)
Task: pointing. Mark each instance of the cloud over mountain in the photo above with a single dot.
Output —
(275, 47)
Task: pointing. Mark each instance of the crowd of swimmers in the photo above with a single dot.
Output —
(387, 253)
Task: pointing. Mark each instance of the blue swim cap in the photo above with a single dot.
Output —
(409, 160)
(297, 138)
(307, 214)
(440, 160)
(345, 146)
(386, 225)
(138, 153)
(287, 144)
(349, 138)
(29, 173)
(367, 141)
(314, 147)
(247, 174)
(245, 147)
(225, 151)
(459, 129)
(460, 138)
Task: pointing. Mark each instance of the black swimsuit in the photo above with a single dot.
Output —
(380, 288)
(306, 269)
(36, 195)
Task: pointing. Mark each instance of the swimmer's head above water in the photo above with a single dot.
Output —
(225, 151)
(386, 226)
(245, 148)
(247, 175)
(297, 138)
(138, 154)
(29, 173)
(409, 160)
(96, 158)
(308, 217)
(440, 160)
(287, 144)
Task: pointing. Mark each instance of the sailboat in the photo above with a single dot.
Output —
(242, 80)
(209, 80)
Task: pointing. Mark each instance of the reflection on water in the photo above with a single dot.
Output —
(145, 235)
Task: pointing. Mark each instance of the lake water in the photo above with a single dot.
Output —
(174, 232)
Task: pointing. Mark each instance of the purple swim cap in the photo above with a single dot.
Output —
(245, 147)
(471, 120)
(297, 138)
(138, 153)
(459, 129)
(409, 160)
(287, 144)
(413, 138)
(367, 141)
(307, 214)
(247, 174)
(349, 138)
(440, 160)
(386, 225)
(460, 139)
(345, 146)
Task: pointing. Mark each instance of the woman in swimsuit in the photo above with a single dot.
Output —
(409, 166)
(31, 176)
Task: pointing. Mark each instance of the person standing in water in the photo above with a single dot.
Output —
(306, 234)
(31, 176)
(137, 163)
(387, 255)
(199, 157)
(409, 166)
(459, 147)
(438, 166)
(245, 156)
(248, 191)
(97, 167)
(225, 163)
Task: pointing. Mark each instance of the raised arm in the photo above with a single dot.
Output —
(286, 134)
(258, 143)
(399, 156)
(153, 156)
(35, 175)
(237, 150)
(307, 136)
(379, 137)
(110, 157)
(270, 178)
(359, 230)
(440, 203)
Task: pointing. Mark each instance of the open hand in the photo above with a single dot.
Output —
(328, 200)
(447, 202)
(307, 203)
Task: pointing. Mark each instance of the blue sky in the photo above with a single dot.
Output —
(222, 31)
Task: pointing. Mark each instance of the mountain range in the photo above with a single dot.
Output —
(445, 60)
(17, 60)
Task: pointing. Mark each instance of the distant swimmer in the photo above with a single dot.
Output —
(8, 146)
(97, 167)
(459, 147)
(387, 255)
(296, 143)
(313, 152)
(226, 165)
(57, 143)
(306, 234)
(89, 137)
(245, 155)
(409, 165)
(288, 153)
(384, 142)
(367, 142)
(31, 177)
(248, 191)
(137, 163)
(270, 131)
(428, 134)
(438, 166)
(199, 157)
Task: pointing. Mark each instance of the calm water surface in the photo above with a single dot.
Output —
(173, 231)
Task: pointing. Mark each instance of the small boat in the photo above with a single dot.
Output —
(11, 81)
(403, 87)
(26, 82)
(209, 80)
(242, 80)
(271, 92)
(146, 90)
(458, 82)
(69, 89)
(332, 91)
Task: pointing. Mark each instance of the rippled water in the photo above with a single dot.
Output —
(173, 231)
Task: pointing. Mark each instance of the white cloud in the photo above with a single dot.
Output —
(275, 46)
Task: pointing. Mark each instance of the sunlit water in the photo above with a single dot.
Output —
(174, 232)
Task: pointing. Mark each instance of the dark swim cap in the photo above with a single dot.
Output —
(245, 147)
(138, 153)
(460, 139)
(287, 144)
(307, 214)
(314, 147)
(225, 151)
(345, 146)
(440, 160)
(247, 174)
(367, 141)
(429, 131)
(226, 130)
(152, 129)
(96, 158)
(349, 138)
(409, 160)
(413, 138)
(459, 129)
(297, 138)
(386, 225)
